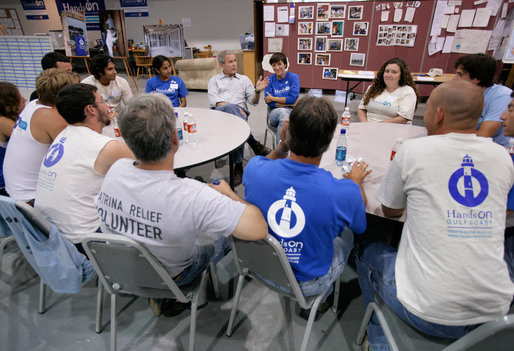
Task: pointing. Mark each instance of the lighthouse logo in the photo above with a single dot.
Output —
(285, 216)
(467, 185)
(54, 154)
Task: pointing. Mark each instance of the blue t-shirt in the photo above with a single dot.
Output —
(174, 88)
(306, 209)
(288, 87)
(496, 101)
(510, 198)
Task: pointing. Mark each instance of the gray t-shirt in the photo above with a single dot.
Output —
(163, 212)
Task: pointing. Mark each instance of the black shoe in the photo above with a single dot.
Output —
(259, 149)
(322, 308)
(238, 174)
(172, 307)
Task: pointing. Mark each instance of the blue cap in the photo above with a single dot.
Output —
(216, 181)
(343, 131)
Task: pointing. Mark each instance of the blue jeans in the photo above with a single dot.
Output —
(376, 268)
(509, 251)
(236, 111)
(202, 256)
(277, 116)
(343, 245)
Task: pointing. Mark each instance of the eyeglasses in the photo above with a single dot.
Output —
(97, 102)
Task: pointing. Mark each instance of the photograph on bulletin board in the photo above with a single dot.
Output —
(322, 60)
(304, 28)
(305, 44)
(321, 43)
(337, 28)
(335, 45)
(355, 12)
(329, 73)
(360, 28)
(305, 12)
(337, 11)
(351, 44)
(304, 58)
(357, 59)
(323, 28)
(323, 12)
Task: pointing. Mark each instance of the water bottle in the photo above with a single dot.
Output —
(346, 117)
(117, 132)
(342, 144)
(510, 148)
(396, 147)
(178, 123)
(184, 130)
(191, 129)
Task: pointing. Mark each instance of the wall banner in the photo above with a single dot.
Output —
(35, 9)
(89, 7)
(135, 8)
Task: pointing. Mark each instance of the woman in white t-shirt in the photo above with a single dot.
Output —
(391, 97)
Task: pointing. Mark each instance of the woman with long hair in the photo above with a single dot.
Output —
(11, 104)
(392, 96)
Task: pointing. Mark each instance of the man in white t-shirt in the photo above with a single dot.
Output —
(36, 128)
(112, 88)
(146, 201)
(448, 274)
(74, 166)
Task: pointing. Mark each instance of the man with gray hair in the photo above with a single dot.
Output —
(146, 201)
(230, 92)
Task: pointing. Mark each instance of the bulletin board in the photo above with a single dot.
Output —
(9, 19)
(20, 58)
(325, 38)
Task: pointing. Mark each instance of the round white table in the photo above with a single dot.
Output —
(218, 134)
(373, 143)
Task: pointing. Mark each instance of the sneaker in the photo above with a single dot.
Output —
(238, 174)
(155, 306)
(260, 150)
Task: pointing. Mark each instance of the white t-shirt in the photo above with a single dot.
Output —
(401, 102)
(450, 268)
(23, 156)
(117, 91)
(163, 212)
(68, 183)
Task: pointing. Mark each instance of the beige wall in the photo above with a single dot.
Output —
(214, 22)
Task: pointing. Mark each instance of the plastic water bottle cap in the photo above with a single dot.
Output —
(216, 181)
(343, 131)
(347, 108)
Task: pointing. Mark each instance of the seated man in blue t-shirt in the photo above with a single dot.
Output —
(480, 69)
(282, 91)
(305, 206)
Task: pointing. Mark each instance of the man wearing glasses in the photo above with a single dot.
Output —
(74, 167)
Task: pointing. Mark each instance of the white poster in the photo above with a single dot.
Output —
(471, 41)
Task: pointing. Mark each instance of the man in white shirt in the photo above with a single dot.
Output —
(230, 92)
(147, 202)
(448, 274)
(74, 167)
(34, 131)
(112, 89)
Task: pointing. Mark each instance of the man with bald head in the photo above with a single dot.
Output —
(448, 274)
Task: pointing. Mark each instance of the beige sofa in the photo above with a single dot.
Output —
(196, 73)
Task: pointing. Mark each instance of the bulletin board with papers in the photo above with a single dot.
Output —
(320, 38)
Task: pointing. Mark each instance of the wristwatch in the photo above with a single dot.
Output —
(257, 91)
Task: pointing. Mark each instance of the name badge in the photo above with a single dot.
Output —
(116, 93)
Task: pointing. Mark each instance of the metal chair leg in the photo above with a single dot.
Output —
(365, 322)
(214, 280)
(310, 322)
(99, 308)
(114, 324)
(5, 241)
(42, 296)
(337, 288)
(235, 302)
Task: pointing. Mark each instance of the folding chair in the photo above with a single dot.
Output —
(126, 267)
(266, 261)
(270, 129)
(497, 334)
